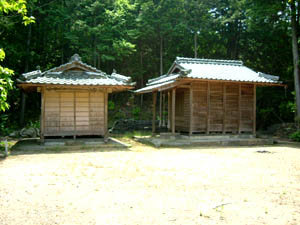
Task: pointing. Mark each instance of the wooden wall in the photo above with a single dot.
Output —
(182, 109)
(73, 112)
(218, 107)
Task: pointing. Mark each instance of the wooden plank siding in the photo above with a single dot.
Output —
(218, 107)
(71, 113)
(182, 109)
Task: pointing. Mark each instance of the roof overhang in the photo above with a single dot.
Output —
(27, 87)
(182, 81)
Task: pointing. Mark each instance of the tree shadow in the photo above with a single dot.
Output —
(34, 146)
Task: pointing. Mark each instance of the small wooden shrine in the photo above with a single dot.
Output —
(210, 96)
(74, 97)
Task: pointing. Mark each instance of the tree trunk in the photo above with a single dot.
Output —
(26, 69)
(295, 57)
(195, 44)
(161, 55)
(142, 76)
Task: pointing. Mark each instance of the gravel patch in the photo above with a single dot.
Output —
(147, 186)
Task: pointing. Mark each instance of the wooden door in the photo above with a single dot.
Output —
(74, 112)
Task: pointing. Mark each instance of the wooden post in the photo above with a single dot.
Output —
(6, 147)
(59, 111)
(160, 109)
(105, 116)
(154, 95)
(173, 109)
(191, 110)
(239, 110)
(169, 110)
(89, 107)
(254, 109)
(42, 121)
(164, 109)
(208, 109)
(224, 108)
(74, 108)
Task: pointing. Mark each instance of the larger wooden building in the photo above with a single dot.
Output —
(74, 97)
(209, 96)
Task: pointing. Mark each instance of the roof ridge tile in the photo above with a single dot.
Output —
(180, 60)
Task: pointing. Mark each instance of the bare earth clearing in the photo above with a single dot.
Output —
(166, 186)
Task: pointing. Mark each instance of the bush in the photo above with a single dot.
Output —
(136, 112)
(295, 136)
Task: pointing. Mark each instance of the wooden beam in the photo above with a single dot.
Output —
(81, 87)
(184, 86)
(239, 109)
(169, 110)
(254, 109)
(229, 81)
(42, 122)
(105, 115)
(191, 111)
(173, 85)
(173, 109)
(154, 96)
(224, 108)
(208, 109)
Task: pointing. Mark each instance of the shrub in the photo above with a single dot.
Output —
(295, 136)
(136, 112)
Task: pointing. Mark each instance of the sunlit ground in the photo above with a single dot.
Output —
(148, 186)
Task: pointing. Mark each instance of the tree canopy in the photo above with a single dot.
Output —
(141, 38)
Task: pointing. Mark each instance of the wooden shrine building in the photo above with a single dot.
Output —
(209, 96)
(74, 97)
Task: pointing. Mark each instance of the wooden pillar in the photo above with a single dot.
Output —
(59, 111)
(163, 109)
(42, 121)
(208, 109)
(191, 111)
(105, 115)
(173, 109)
(169, 110)
(224, 108)
(239, 109)
(74, 109)
(154, 95)
(254, 109)
(160, 109)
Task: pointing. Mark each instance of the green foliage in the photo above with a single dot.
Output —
(136, 111)
(6, 83)
(126, 35)
(3, 124)
(111, 105)
(295, 136)
(19, 6)
(33, 124)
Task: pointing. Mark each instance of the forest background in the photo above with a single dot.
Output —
(141, 38)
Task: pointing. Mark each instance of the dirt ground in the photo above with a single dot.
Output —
(148, 186)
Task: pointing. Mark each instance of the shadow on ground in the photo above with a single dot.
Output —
(34, 146)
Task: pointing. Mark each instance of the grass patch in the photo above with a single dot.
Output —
(2, 145)
(131, 134)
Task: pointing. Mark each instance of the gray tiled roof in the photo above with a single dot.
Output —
(64, 75)
(209, 69)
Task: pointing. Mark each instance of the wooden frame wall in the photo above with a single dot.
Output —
(72, 112)
(214, 107)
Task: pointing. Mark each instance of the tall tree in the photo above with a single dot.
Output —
(295, 38)
(7, 7)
